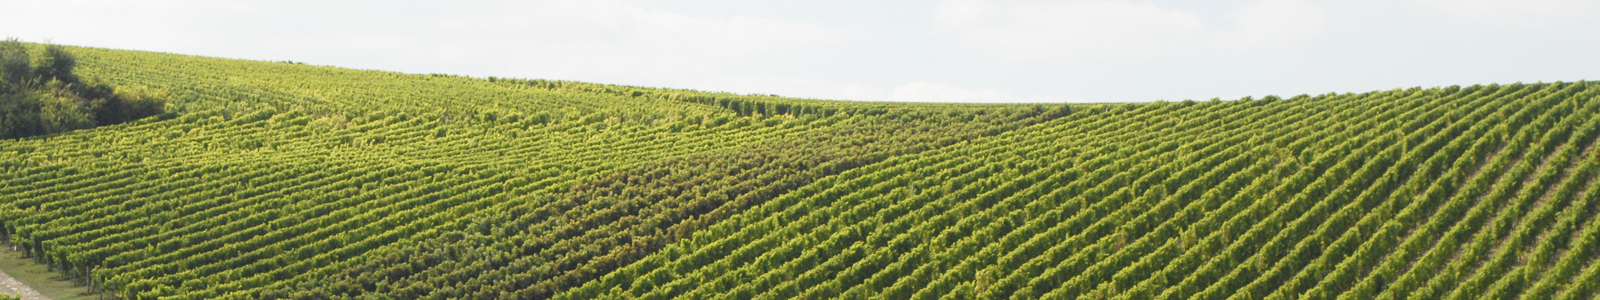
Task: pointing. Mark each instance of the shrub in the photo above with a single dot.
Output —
(44, 96)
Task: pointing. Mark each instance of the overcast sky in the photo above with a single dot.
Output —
(947, 50)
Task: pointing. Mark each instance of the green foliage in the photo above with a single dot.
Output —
(15, 67)
(56, 64)
(279, 180)
(45, 97)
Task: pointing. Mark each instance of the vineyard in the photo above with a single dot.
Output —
(276, 180)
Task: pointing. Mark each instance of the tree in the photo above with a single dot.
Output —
(14, 66)
(44, 96)
(57, 64)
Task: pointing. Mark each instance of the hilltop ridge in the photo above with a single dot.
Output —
(278, 180)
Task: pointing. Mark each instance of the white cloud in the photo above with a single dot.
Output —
(1023, 30)
(1515, 10)
(922, 91)
(1269, 22)
(1158, 49)
(606, 41)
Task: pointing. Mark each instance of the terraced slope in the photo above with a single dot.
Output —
(278, 180)
(1440, 193)
(278, 173)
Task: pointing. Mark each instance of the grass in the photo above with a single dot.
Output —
(40, 278)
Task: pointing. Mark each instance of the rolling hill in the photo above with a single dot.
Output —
(276, 180)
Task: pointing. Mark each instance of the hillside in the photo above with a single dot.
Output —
(276, 180)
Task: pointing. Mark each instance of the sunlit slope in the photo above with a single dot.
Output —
(277, 180)
(276, 173)
(1478, 192)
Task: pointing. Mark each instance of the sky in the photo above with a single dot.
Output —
(888, 50)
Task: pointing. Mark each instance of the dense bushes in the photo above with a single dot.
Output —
(43, 96)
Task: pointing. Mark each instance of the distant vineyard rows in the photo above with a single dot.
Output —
(287, 181)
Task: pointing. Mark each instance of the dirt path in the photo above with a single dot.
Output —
(11, 286)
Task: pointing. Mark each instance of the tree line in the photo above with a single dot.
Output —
(39, 94)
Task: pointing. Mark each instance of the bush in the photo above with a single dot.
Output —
(14, 68)
(56, 64)
(44, 96)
